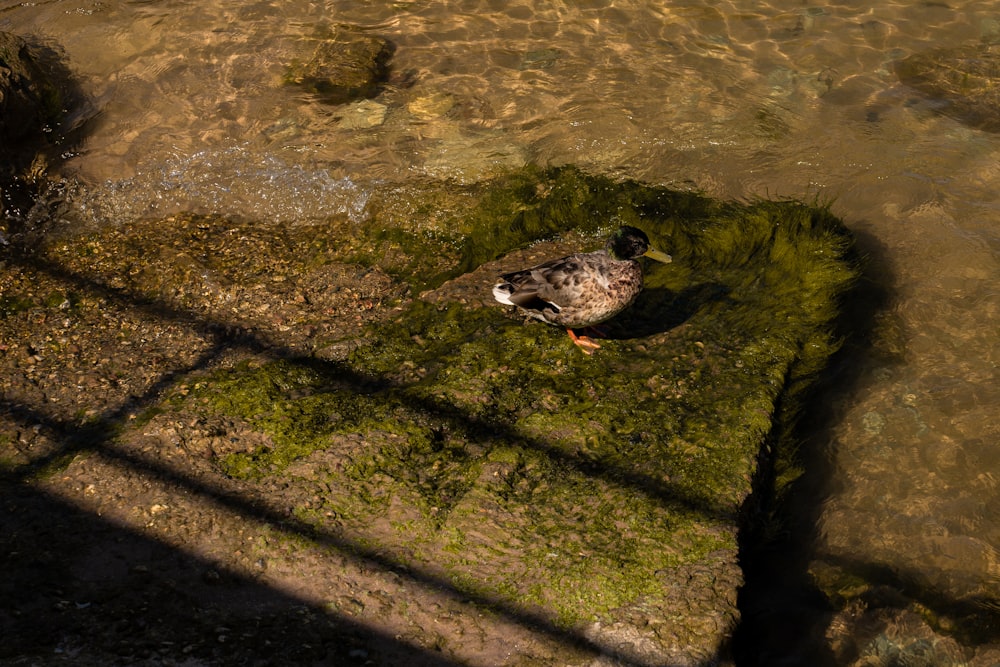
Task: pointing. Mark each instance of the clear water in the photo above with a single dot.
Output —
(739, 99)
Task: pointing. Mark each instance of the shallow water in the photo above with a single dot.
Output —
(739, 100)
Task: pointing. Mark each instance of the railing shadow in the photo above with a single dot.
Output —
(66, 571)
(98, 436)
(230, 335)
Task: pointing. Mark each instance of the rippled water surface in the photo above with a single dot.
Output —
(738, 99)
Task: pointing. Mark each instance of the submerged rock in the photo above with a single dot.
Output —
(591, 504)
(963, 82)
(40, 104)
(363, 114)
(28, 97)
(347, 65)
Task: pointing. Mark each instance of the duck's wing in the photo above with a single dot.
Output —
(556, 284)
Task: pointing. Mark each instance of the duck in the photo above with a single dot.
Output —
(582, 290)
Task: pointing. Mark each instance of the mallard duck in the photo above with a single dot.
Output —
(584, 289)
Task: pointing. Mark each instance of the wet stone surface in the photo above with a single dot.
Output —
(326, 442)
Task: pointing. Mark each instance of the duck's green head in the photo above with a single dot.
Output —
(631, 243)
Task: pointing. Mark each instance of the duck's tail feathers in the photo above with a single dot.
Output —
(502, 292)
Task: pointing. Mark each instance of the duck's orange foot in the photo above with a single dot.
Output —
(586, 345)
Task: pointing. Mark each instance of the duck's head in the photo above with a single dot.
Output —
(631, 243)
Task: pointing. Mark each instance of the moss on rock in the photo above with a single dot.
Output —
(596, 492)
(490, 450)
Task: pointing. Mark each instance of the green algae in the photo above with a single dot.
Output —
(488, 450)
(523, 470)
(13, 304)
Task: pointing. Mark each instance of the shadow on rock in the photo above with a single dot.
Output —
(90, 592)
(658, 310)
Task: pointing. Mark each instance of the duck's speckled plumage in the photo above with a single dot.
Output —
(583, 289)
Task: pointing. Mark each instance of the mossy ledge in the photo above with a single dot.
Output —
(599, 493)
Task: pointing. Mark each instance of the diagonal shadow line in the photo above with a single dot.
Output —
(99, 439)
(479, 429)
(75, 436)
(33, 623)
(232, 335)
(98, 436)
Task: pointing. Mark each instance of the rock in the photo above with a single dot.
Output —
(540, 59)
(432, 105)
(591, 504)
(893, 631)
(363, 114)
(348, 65)
(963, 83)
(39, 103)
(28, 100)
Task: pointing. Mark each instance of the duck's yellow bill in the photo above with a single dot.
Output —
(653, 253)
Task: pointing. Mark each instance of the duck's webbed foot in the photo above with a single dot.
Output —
(586, 345)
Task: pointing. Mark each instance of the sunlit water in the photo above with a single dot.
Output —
(738, 99)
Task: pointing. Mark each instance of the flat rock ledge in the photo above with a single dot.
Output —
(227, 441)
